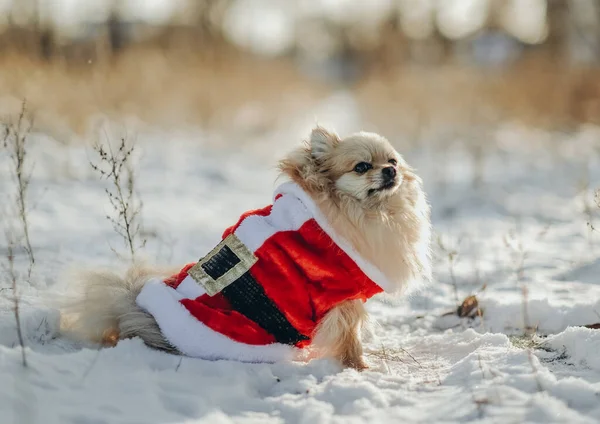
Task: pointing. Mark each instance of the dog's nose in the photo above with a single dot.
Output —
(389, 172)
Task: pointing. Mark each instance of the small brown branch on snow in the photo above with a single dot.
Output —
(595, 326)
(469, 308)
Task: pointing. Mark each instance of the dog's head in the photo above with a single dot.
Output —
(370, 195)
(362, 168)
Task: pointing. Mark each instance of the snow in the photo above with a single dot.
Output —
(523, 226)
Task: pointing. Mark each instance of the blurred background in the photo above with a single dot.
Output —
(410, 66)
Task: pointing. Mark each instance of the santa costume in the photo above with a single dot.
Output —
(260, 293)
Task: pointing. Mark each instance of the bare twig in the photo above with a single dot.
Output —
(451, 254)
(116, 167)
(12, 275)
(590, 201)
(529, 330)
(520, 255)
(394, 356)
(166, 242)
(516, 245)
(90, 367)
(15, 140)
(482, 401)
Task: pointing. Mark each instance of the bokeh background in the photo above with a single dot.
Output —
(422, 68)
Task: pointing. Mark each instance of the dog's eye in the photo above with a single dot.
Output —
(362, 167)
(393, 162)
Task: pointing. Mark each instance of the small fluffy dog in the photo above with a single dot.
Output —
(351, 222)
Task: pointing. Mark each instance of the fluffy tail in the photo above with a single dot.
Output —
(102, 308)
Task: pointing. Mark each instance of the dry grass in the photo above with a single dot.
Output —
(538, 92)
(168, 87)
(152, 85)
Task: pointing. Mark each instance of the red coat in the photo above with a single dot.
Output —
(297, 267)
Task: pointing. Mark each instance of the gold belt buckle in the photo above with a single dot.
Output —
(230, 259)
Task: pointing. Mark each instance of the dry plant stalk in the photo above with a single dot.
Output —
(15, 140)
(12, 275)
(394, 355)
(516, 245)
(480, 402)
(115, 166)
(451, 254)
(590, 200)
(529, 330)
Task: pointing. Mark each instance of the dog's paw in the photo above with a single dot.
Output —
(355, 363)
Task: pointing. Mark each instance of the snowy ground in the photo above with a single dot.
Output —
(525, 225)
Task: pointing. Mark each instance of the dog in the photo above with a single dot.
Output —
(350, 221)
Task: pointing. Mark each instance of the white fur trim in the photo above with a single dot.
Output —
(190, 289)
(368, 268)
(195, 339)
(288, 214)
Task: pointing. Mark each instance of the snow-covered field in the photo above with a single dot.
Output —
(523, 226)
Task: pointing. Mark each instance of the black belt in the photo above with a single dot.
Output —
(242, 291)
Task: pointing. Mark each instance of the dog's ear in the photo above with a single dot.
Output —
(322, 141)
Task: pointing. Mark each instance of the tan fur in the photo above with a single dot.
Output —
(102, 308)
(390, 228)
(338, 334)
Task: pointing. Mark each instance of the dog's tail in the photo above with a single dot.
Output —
(101, 308)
